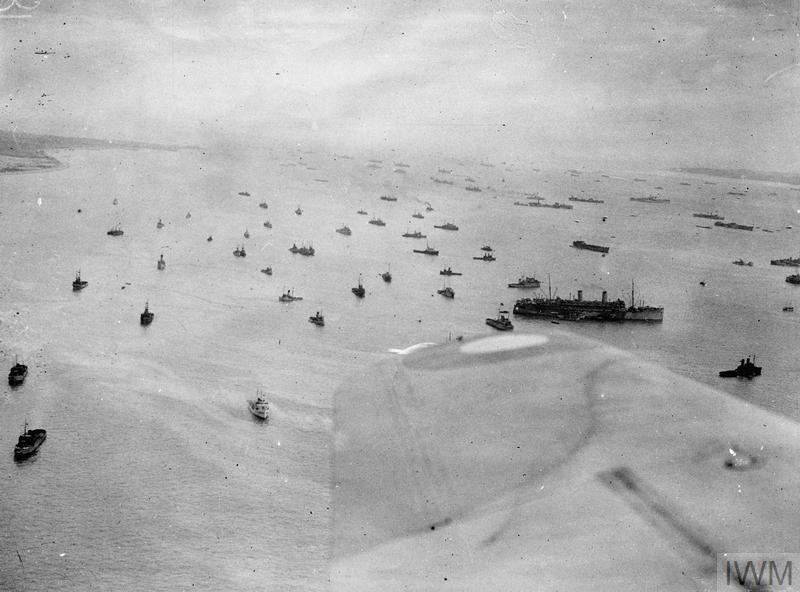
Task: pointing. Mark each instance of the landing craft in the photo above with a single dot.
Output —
(547, 461)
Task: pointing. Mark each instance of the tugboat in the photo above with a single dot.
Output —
(17, 374)
(159, 224)
(446, 226)
(267, 224)
(299, 211)
(267, 271)
(161, 263)
(146, 317)
(502, 322)
(244, 193)
(116, 231)
(239, 252)
(246, 233)
(377, 222)
(525, 282)
(28, 442)
(359, 290)
(209, 239)
(417, 215)
(78, 284)
(428, 250)
(745, 369)
(387, 276)
(263, 205)
(317, 319)
(259, 406)
(345, 230)
(743, 262)
(447, 292)
(449, 271)
(307, 251)
(188, 215)
(487, 248)
(485, 257)
(289, 296)
(362, 212)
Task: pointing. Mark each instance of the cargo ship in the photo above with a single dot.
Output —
(586, 199)
(650, 199)
(578, 309)
(586, 246)
(733, 225)
(788, 262)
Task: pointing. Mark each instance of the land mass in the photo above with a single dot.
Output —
(22, 152)
(772, 177)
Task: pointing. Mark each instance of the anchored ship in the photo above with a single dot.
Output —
(710, 216)
(586, 199)
(586, 246)
(525, 282)
(578, 309)
(788, 262)
(446, 226)
(651, 199)
(733, 225)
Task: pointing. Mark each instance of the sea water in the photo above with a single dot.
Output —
(155, 475)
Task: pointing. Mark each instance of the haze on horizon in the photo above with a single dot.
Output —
(647, 84)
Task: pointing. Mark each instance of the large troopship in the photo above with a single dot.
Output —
(578, 309)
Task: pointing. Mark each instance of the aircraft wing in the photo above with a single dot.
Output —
(551, 462)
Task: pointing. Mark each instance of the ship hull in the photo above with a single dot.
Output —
(571, 310)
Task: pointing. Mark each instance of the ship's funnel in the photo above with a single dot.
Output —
(605, 296)
(580, 295)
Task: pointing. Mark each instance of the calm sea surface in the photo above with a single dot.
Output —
(155, 476)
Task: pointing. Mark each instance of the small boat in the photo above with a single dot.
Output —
(188, 215)
(793, 279)
(525, 282)
(359, 290)
(743, 262)
(388, 198)
(244, 193)
(29, 442)
(299, 211)
(429, 208)
(417, 215)
(259, 406)
(161, 263)
(159, 224)
(449, 271)
(446, 226)
(502, 322)
(387, 276)
(17, 374)
(788, 308)
(362, 212)
(745, 369)
(246, 233)
(317, 319)
(428, 250)
(485, 257)
(116, 201)
(267, 224)
(289, 297)
(116, 231)
(146, 317)
(307, 251)
(415, 234)
(267, 271)
(579, 244)
(487, 248)
(78, 284)
(377, 222)
(294, 248)
(239, 252)
(447, 292)
(345, 230)
(263, 205)
(209, 239)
